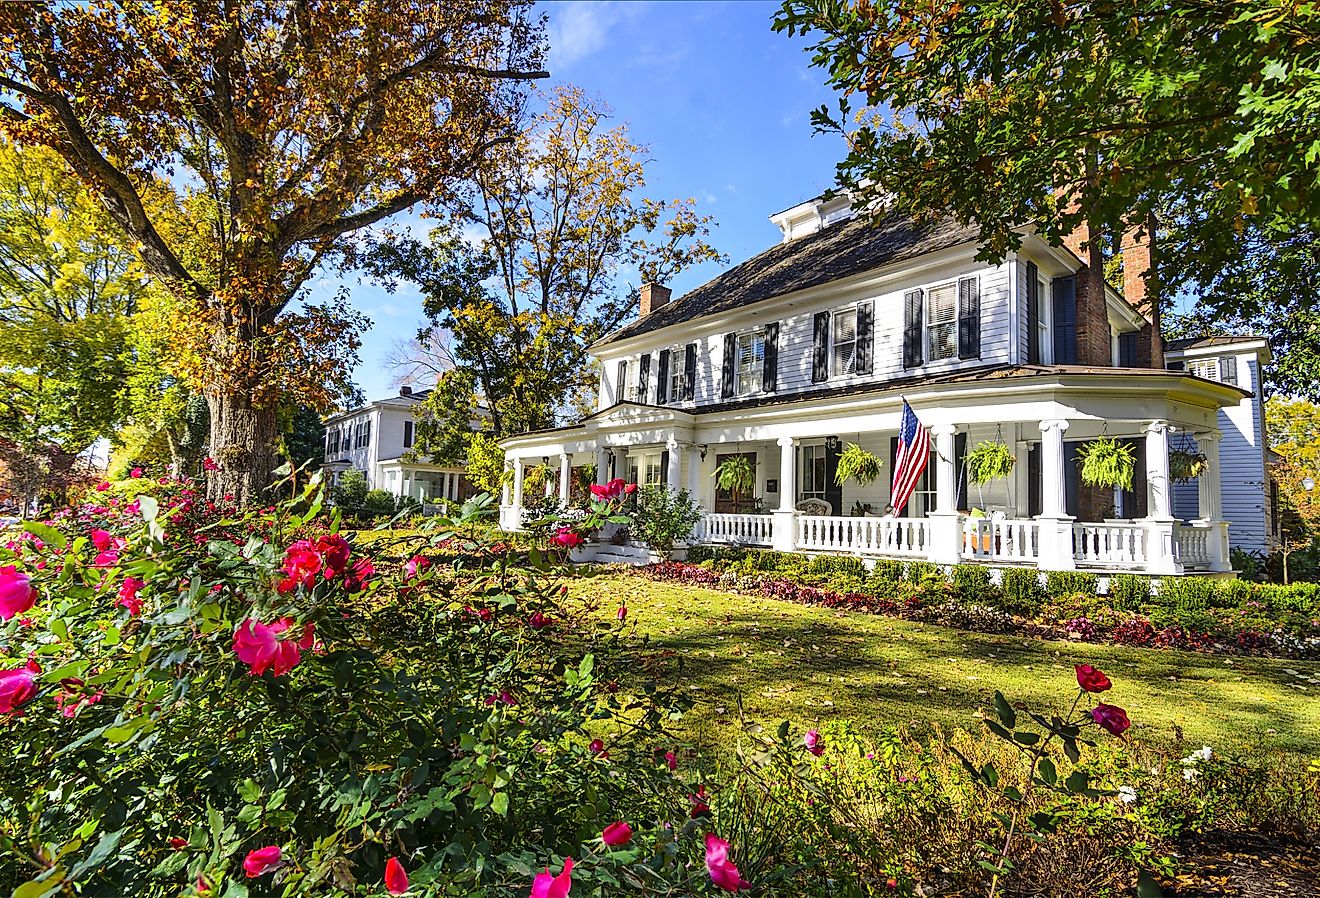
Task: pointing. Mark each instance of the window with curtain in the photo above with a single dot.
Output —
(751, 361)
(844, 339)
(942, 322)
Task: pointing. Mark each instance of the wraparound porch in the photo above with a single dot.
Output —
(1039, 516)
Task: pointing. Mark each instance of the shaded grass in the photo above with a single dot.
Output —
(810, 665)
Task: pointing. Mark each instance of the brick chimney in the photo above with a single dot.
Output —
(654, 296)
(1138, 249)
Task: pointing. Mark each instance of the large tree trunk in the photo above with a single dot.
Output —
(242, 445)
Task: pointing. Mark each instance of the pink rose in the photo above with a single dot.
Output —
(814, 743)
(260, 647)
(565, 538)
(16, 592)
(128, 596)
(616, 834)
(103, 486)
(415, 567)
(1111, 718)
(1092, 680)
(261, 861)
(722, 870)
(135, 473)
(622, 614)
(547, 885)
(18, 686)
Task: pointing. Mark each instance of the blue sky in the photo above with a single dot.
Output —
(722, 103)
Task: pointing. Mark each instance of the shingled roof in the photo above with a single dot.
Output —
(836, 251)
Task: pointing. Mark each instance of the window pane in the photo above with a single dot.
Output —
(943, 303)
(845, 358)
(943, 340)
(845, 326)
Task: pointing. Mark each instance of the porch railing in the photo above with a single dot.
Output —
(736, 529)
(987, 539)
(869, 536)
(1109, 545)
(1193, 545)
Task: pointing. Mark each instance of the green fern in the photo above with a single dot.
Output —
(1107, 462)
(855, 463)
(989, 461)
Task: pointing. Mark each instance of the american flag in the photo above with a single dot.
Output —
(913, 453)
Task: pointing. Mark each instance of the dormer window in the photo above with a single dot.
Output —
(1223, 369)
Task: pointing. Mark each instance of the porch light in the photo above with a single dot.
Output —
(831, 444)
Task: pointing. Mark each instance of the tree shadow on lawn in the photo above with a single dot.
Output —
(811, 664)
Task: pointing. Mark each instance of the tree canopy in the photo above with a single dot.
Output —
(531, 264)
(238, 144)
(1014, 112)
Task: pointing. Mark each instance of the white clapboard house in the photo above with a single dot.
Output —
(815, 343)
(378, 439)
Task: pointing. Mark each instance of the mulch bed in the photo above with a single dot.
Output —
(1242, 864)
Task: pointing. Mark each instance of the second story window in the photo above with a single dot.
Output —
(942, 322)
(751, 362)
(844, 336)
(676, 386)
(409, 434)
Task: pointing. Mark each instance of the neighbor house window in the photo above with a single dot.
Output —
(843, 333)
(645, 469)
(813, 472)
(942, 322)
(408, 434)
(1207, 368)
(751, 362)
(1042, 318)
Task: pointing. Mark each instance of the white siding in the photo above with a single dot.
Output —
(795, 343)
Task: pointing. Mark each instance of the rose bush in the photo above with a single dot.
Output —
(201, 702)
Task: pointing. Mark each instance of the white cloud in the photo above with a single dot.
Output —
(579, 28)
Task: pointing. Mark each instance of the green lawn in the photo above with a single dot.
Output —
(810, 665)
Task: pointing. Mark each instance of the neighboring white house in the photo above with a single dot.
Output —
(376, 437)
(1246, 491)
(815, 343)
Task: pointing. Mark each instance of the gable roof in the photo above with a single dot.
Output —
(1198, 342)
(836, 251)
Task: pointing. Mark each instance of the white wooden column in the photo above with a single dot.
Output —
(1209, 498)
(1210, 503)
(674, 471)
(1054, 483)
(565, 478)
(508, 520)
(1158, 507)
(1054, 524)
(602, 465)
(784, 535)
(945, 522)
(518, 470)
(1161, 551)
(694, 474)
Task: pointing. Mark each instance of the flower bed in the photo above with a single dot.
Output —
(1193, 613)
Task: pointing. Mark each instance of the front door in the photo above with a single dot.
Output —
(724, 500)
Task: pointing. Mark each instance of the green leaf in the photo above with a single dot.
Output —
(499, 803)
(1077, 781)
(1047, 771)
(1005, 710)
(47, 534)
(104, 848)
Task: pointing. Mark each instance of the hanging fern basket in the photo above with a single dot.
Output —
(1105, 462)
(736, 475)
(1185, 465)
(855, 463)
(989, 461)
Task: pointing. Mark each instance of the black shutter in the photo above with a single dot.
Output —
(1064, 297)
(893, 460)
(865, 337)
(621, 386)
(643, 377)
(1033, 314)
(1035, 485)
(1178, 365)
(770, 362)
(1072, 479)
(912, 354)
(1127, 350)
(1228, 370)
(833, 489)
(960, 499)
(820, 348)
(662, 379)
(726, 371)
(664, 469)
(690, 373)
(969, 318)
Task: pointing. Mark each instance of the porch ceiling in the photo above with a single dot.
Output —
(1119, 401)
